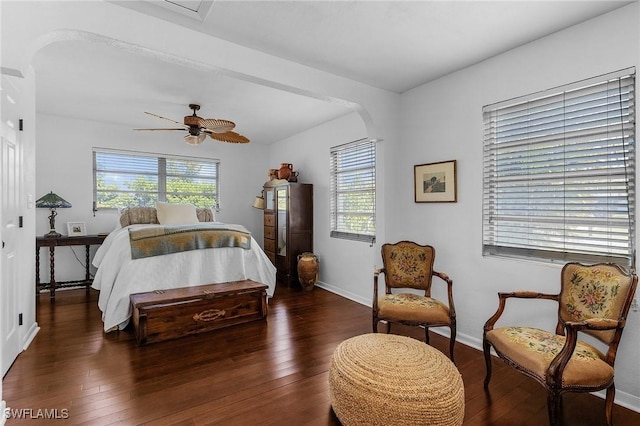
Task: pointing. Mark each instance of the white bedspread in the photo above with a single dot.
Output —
(118, 275)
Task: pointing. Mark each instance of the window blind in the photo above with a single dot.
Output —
(353, 190)
(124, 179)
(559, 173)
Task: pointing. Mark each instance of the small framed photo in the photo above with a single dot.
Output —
(76, 229)
(435, 182)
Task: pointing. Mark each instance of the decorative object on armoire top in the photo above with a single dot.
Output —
(285, 170)
(273, 174)
(52, 202)
(307, 270)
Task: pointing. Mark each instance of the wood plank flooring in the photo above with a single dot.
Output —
(261, 373)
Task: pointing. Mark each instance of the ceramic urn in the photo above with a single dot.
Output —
(285, 170)
(308, 270)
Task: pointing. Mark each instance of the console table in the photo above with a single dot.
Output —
(63, 240)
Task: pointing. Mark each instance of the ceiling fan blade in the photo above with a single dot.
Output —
(218, 129)
(176, 128)
(164, 118)
(217, 125)
(231, 137)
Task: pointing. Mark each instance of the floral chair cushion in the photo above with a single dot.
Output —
(412, 307)
(534, 349)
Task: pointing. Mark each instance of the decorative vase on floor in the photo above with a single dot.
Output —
(307, 270)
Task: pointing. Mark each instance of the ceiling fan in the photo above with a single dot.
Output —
(199, 128)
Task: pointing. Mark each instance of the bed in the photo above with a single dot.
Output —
(119, 275)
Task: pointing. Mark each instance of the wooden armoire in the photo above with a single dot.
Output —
(288, 226)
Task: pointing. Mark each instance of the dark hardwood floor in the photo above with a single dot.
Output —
(260, 373)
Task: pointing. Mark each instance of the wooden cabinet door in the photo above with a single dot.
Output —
(288, 227)
(282, 235)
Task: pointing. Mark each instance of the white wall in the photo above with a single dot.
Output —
(346, 267)
(64, 165)
(442, 121)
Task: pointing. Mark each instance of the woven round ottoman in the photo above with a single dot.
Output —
(385, 379)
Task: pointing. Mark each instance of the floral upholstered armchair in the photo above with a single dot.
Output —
(593, 299)
(409, 266)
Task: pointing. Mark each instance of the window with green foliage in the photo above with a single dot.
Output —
(125, 179)
(353, 191)
(559, 173)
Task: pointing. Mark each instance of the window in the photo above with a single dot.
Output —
(353, 191)
(559, 173)
(123, 179)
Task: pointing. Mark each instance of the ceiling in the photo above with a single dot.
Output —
(392, 45)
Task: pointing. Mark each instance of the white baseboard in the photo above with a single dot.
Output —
(623, 399)
(31, 334)
(345, 294)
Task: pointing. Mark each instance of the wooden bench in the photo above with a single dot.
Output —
(168, 314)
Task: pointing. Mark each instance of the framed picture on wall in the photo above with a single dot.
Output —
(435, 182)
(76, 229)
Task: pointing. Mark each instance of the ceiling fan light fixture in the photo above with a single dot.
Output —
(194, 139)
(199, 128)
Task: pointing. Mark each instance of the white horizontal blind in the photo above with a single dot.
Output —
(353, 191)
(124, 179)
(559, 173)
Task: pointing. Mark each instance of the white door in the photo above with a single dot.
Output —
(10, 183)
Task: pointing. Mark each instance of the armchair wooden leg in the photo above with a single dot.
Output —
(452, 342)
(553, 407)
(388, 326)
(487, 361)
(608, 405)
(375, 324)
(426, 335)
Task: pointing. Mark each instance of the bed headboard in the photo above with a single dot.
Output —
(136, 215)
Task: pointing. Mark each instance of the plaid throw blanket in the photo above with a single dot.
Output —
(157, 241)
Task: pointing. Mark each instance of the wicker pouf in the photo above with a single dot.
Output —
(385, 379)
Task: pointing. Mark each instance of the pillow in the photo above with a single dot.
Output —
(135, 215)
(205, 214)
(176, 214)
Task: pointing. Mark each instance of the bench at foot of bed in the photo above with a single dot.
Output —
(168, 314)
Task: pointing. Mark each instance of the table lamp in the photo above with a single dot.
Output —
(52, 202)
(258, 203)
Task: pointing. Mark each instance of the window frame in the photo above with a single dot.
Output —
(359, 148)
(160, 173)
(578, 173)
